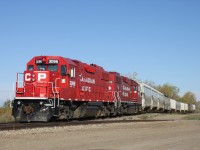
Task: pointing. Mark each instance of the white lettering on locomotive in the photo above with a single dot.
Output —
(39, 61)
(125, 94)
(72, 83)
(87, 80)
(27, 77)
(53, 61)
(86, 88)
(41, 76)
(125, 88)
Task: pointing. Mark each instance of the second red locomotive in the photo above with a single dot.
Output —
(62, 88)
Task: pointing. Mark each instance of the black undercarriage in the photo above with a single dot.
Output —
(47, 110)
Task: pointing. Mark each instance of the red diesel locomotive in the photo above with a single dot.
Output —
(55, 87)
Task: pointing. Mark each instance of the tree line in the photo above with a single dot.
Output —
(169, 90)
(172, 92)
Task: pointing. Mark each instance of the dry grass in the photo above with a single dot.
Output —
(147, 116)
(192, 117)
(6, 115)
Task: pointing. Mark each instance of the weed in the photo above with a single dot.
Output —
(192, 117)
(6, 115)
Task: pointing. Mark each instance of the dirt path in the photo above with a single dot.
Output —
(174, 135)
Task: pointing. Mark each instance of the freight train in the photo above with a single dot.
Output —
(54, 87)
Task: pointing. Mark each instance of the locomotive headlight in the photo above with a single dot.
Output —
(18, 103)
(41, 103)
(33, 79)
(109, 88)
(33, 75)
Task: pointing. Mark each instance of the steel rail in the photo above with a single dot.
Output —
(18, 126)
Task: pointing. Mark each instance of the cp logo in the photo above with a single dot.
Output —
(40, 76)
(27, 77)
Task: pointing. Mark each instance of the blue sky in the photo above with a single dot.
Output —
(160, 40)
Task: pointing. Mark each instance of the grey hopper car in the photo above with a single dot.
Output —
(153, 99)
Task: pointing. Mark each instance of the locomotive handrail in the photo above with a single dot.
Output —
(56, 84)
(115, 97)
(18, 86)
(17, 81)
(119, 98)
(54, 91)
(12, 94)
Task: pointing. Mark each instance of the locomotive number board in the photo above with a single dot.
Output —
(53, 61)
(50, 61)
(38, 61)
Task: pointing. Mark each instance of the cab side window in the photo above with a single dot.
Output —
(63, 70)
(135, 88)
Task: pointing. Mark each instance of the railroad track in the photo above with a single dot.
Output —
(18, 126)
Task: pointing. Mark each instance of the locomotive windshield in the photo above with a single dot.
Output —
(53, 67)
(41, 67)
(30, 67)
(47, 67)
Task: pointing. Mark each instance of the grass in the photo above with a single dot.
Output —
(192, 117)
(147, 116)
(6, 115)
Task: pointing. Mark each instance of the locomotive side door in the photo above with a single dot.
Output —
(68, 81)
(72, 82)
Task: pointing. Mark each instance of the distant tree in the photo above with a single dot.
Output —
(6, 104)
(189, 97)
(151, 84)
(198, 105)
(132, 75)
(169, 90)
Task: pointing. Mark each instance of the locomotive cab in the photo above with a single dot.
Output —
(45, 82)
(42, 78)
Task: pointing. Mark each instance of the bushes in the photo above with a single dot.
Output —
(6, 115)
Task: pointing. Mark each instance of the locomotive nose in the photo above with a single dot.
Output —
(41, 83)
